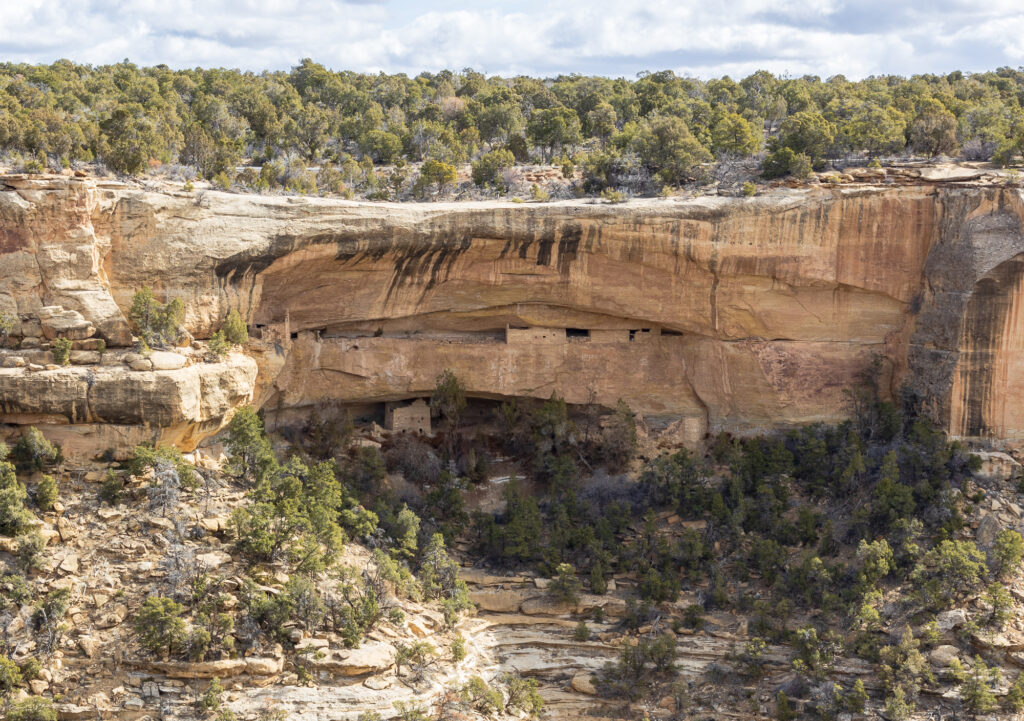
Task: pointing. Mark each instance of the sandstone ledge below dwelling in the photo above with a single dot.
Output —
(180, 406)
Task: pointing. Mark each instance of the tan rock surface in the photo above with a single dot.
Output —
(768, 307)
(178, 406)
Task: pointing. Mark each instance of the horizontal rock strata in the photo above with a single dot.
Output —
(736, 314)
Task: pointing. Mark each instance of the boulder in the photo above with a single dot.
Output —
(69, 564)
(85, 358)
(417, 628)
(95, 344)
(948, 620)
(263, 666)
(114, 617)
(584, 683)
(498, 601)
(167, 361)
(214, 524)
(372, 657)
(942, 656)
(988, 529)
(59, 323)
(90, 647)
(214, 559)
(377, 683)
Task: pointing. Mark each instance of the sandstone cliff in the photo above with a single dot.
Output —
(725, 313)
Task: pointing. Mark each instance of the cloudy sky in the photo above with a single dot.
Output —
(704, 38)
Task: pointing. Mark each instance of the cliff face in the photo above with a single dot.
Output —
(725, 313)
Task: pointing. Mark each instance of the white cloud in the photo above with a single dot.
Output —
(822, 37)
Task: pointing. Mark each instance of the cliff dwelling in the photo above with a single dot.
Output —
(404, 417)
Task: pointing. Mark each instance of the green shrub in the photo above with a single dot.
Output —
(211, 698)
(565, 586)
(250, 457)
(218, 345)
(581, 632)
(482, 698)
(815, 653)
(48, 617)
(33, 452)
(856, 698)
(7, 322)
(949, 571)
(783, 710)
(434, 173)
(785, 161)
(61, 349)
(159, 625)
(487, 171)
(33, 708)
(112, 488)
(749, 189)
(31, 547)
(1002, 604)
(876, 560)
(458, 648)
(902, 670)
(10, 676)
(14, 517)
(30, 668)
(235, 329)
(1007, 552)
(693, 616)
(415, 656)
(167, 463)
(610, 195)
(977, 686)
(46, 493)
(221, 181)
(439, 578)
(750, 661)
(197, 643)
(639, 665)
(158, 324)
(1015, 696)
(893, 501)
(522, 695)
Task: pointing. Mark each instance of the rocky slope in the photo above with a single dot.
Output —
(109, 558)
(760, 311)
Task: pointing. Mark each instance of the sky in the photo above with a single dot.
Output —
(701, 38)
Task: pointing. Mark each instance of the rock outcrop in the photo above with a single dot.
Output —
(85, 407)
(724, 313)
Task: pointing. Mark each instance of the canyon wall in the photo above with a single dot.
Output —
(737, 314)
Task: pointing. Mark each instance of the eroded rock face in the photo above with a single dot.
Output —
(179, 407)
(722, 313)
(51, 254)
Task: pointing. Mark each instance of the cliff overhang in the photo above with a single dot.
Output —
(734, 314)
